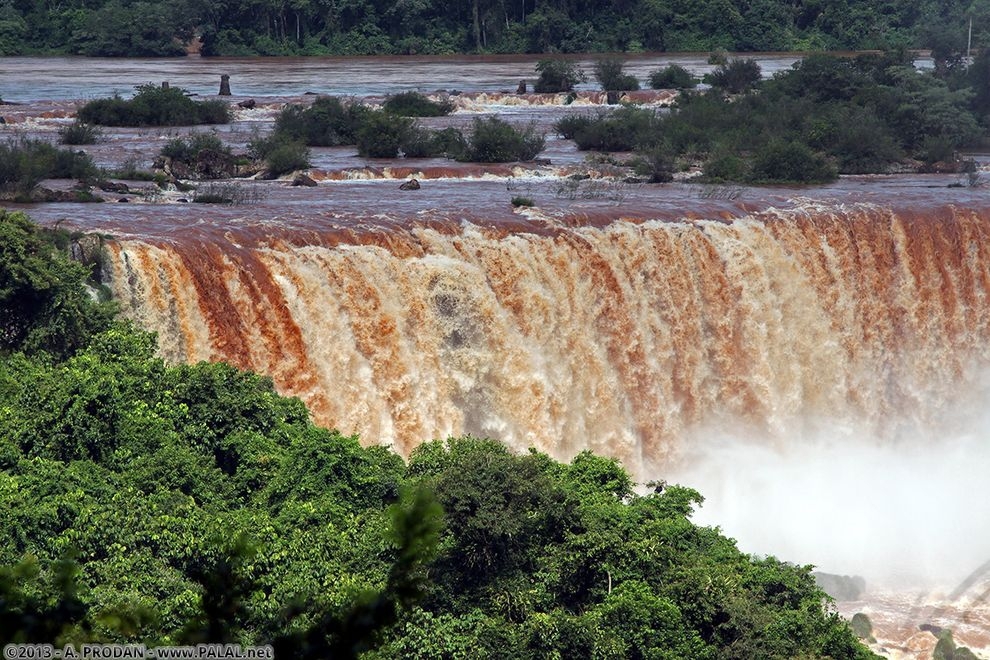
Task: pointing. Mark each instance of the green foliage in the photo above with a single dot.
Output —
(624, 129)
(24, 163)
(518, 201)
(280, 152)
(414, 104)
(557, 75)
(187, 148)
(154, 106)
(493, 140)
(609, 74)
(361, 27)
(673, 76)
(826, 115)
(735, 76)
(328, 122)
(789, 162)
(79, 133)
(43, 297)
(383, 134)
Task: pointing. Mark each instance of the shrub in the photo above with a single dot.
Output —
(79, 133)
(725, 168)
(382, 135)
(556, 75)
(790, 162)
(623, 130)
(24, 163)
(155, 106)
(569, 126)
(656, 163)
(521, 201)
(493, 140)
(188, 148)
(608, 73)
(328, 122)
(735, 76)
(414, 104)
(448, 142)
(280, 153)
(672, 77)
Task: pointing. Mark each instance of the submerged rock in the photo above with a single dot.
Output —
(411, 184)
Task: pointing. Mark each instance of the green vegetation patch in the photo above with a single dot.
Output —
(154, 106)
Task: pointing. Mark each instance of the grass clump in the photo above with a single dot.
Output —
(672, 77)
(79, 132)
(414, 104)
(154, 106)
(493, 140)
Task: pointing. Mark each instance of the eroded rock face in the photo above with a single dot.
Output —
(207, 164)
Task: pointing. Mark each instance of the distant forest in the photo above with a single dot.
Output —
(394, 27)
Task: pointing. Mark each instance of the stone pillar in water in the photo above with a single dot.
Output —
(224, 85)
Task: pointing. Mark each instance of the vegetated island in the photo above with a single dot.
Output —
(177, 504)
(366, 27)
(825, 116)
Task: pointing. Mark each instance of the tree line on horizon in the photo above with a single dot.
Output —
(385, 27)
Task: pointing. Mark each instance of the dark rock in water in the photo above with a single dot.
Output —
(579, 177)
(522, 87)
(932, 628)
(634, 179)
(840, 587)
(301, 179)
(123, 199)
(411, 184)
(114, 187)
(247, 104)
(2, 120)
(541, 161)
(224, 85)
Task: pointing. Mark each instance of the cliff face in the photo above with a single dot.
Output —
(620, 338)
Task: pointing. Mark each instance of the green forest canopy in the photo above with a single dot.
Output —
(146, 502)
(383, 27)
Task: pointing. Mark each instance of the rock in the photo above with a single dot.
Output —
(541, 161)
(411, 184)
(579, 177)
(224, 85)
(634, 179)
(247, 104)
(301, 179)
(521, 89)
(123, 199)
(114, 187)
(2, 120)
(840, 587)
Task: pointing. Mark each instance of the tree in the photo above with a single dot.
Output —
(44, 303)
(557, 75)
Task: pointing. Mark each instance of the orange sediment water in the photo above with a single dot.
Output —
(592, 332)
